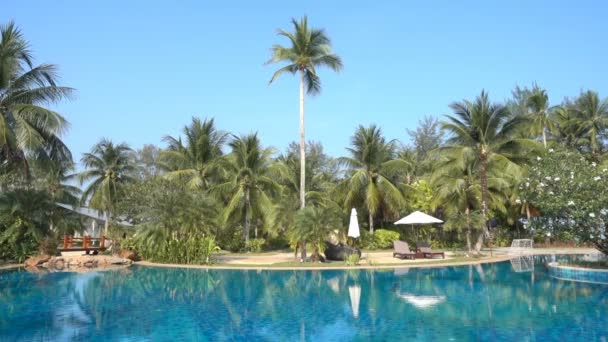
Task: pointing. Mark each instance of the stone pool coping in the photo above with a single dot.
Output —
(11, 266)
(248, 263)
(578, 274)
(437, 263)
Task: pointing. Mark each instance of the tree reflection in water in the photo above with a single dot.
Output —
(467, 302)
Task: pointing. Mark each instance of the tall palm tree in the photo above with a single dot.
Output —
(591, 118)
(538, 104)
(250, 185)
(108, 167)
(27, 128)
(565, 132)
(372, 169)
(196, 161)
(310, 48)
(457, 191)
(486, 131)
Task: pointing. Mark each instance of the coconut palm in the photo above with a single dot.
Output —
(108, 168)
(27, 128)
(591, 118)
(372, 170)
(565, 132)
(315, 224)
(250, 185)
(485, 131)
(538, 104)
(310, 48)
(195, 161)
(457, 191)
(23, 220)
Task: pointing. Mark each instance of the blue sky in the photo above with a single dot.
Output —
(144, 68)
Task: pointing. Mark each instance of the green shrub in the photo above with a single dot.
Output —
(278, 242)
(352, 260)
(232, 241)
(384, 238)
(366, 240)
(191, 250)
(255, 245)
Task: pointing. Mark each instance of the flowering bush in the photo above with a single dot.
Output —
(572, 196)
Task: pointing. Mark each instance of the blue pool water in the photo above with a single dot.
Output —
(503, 301)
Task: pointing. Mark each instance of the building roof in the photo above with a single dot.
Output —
(92, 213)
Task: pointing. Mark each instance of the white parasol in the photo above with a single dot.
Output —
(353, 225)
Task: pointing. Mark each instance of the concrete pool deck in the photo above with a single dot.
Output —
(369, 260)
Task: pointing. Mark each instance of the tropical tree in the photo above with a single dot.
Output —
(197, 160)
(485, 132)
(28, 129)
(565, 132)
(23, 222)
(591, 119)
(315, 224)
(457, 191)
(538, 104)
(108, 168)
(371, 172)
(309, 49)
(250, 186)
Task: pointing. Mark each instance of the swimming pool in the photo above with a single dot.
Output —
(514, 301)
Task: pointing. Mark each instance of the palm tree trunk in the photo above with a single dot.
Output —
(302, 157)
(302, 146)
(106, 224)
(371, 223)
(247, 220)
(467, 213)
(483, 179)
(545, 137)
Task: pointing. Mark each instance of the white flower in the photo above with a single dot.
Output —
(593, 164)
(604, 211)
(541, 184)
(556, 179)
(538, 158)
(518, 201)
(591, 215)
(527, 184)
(570, 202)
(597, 178)
(548, 233)
(604, 170)
(548, 178)
(550, 192)
(550, 150)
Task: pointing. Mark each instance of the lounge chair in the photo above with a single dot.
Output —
(425, 249)
(402, 250)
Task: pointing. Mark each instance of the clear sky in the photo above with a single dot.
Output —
(144, 68)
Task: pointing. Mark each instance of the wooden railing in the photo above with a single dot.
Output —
(85, 243)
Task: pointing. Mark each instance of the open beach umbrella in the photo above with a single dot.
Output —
(417, 218)
(355, 297)
(353, 225)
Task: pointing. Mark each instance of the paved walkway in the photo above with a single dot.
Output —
(375, 259)
(386, 256)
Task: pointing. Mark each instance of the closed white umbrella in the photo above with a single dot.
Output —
(355, 297)
(353, 225)
(418, 217)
